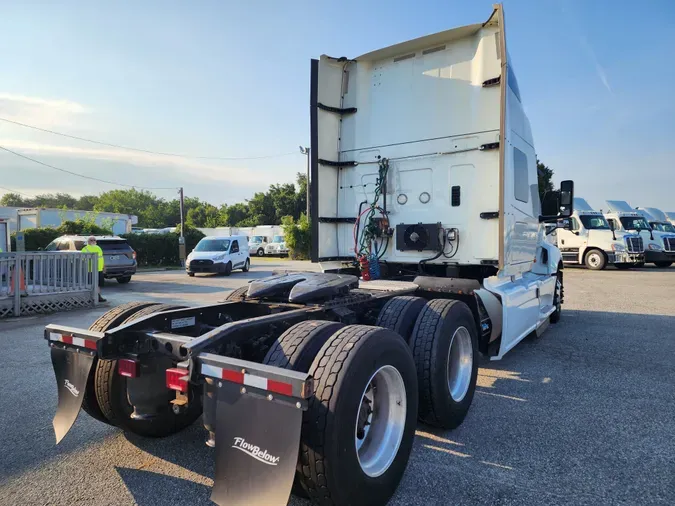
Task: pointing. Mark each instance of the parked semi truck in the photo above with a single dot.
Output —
(671, 217)
(590, 241)
(317, 380)
(659, 246)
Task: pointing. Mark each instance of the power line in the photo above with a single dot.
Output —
(83, 176)
(119, 146)
(18, 192)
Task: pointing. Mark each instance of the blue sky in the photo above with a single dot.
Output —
(231, 79)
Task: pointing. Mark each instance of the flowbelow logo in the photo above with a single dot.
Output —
(71, 388)
(255, 452)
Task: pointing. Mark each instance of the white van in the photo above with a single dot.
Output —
(219, 255)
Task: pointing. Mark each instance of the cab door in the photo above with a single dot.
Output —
(572, 242)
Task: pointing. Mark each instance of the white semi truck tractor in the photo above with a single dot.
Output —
(427, 220)
(589, 241)
(659, 249)
(671, 217)
(659, 222)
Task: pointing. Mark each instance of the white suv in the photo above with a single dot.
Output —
(219, 255)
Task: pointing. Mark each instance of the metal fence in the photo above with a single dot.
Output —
(41, 282)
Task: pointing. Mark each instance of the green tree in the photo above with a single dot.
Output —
(204, 215)
(86, 202)
(55, 200)
(141, 203)
(301, 196)
(15, 200)
(297, 235)
(232, 216)
(544, 177)
(261, 208)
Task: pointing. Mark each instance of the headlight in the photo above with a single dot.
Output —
(618, 247)
(654, 247)
(219, 257)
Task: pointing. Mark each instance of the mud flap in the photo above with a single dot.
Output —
(257, 444)
(72, 370)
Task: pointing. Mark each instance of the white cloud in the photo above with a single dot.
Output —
(41, 112)
(176, 165)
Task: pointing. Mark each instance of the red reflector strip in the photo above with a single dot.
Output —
(250, 380)
(176, 379)
(75, 341)
(233, 376)
(279, 387)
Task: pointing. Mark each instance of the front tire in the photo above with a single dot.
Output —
(124, 279)
(191, 274)
(557, 299)
(663, 264)
(228, 269)
(445, 348)
(261, 252)
(623, 266)
(595, 260)
(361, 374)
(247, 265)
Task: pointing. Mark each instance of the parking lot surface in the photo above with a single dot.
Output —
(583, 415)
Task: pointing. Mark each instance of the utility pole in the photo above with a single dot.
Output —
(181, 238)
(305, 151)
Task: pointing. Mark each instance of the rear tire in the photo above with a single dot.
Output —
(663, 264)
(247, 265)
(444, 338)
(400, 313)
(113, 318)
(341, 462)
(595, 260)
(191, 274)
(295, 350)
(623, 266)
(111, 394)
(124, 279)
(639, 265)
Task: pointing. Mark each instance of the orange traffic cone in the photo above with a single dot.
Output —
(22, 282)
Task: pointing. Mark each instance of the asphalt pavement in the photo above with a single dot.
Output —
(583, 415)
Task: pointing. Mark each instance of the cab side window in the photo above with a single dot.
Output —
(235, 247)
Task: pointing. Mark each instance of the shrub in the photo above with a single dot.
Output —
(297, 235)
(161, 249)
(39, 238)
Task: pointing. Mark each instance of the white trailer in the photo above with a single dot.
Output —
(38, 218)
(659, 246)
(590, 241)
(318, 379)
(4, 236)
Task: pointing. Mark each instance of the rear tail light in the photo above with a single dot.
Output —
(128, 368)
(133, 255)
(177, 379)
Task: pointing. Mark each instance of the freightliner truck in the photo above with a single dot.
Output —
(590, 241)
(427, 221)
(659, 246)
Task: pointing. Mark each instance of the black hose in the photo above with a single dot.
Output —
(419, 265)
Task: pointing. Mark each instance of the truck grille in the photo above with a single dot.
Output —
(635, 244)
(669, 243)
(198, 263)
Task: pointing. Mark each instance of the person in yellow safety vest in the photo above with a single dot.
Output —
(92, 247)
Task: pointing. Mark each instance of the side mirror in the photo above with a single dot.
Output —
(558, 204)
(565, 223)
(611, 225)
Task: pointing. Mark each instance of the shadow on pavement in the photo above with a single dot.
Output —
(149, 488)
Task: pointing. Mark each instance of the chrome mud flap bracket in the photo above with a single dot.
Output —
(257, 436)
(72, 354)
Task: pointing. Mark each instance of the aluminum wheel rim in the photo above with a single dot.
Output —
(380, 439)
(594, 259)
(460, 364)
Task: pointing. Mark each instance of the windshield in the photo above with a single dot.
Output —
(662, 227)
(594, 222)
(257, 238)
(222, 245)
(631, 223)
(278, 238)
